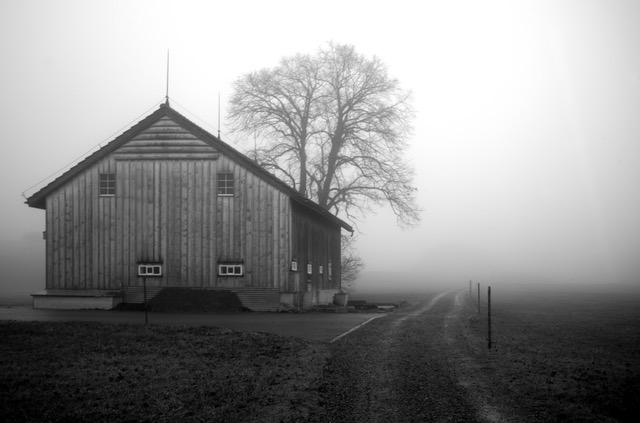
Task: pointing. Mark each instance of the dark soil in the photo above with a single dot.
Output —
(553, 359)
(92, 372)
(565, 356)
(188, 300)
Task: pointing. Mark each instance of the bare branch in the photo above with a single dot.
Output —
(334, 125)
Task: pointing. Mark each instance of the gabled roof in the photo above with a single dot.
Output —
(38, 200)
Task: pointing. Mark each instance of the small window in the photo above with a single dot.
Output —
(330, 271)
(225, 184)
(309, 268)
(230, 270)
(150, 269)
(294, 265)
(107, 184)
(321, 269)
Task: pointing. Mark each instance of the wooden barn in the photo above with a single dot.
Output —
(167, 204)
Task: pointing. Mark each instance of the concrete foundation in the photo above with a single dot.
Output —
(66, 299)
(325, 296)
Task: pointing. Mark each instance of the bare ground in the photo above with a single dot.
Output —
(554, 359)
(408, 367)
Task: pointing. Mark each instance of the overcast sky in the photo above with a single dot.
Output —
(526, 141)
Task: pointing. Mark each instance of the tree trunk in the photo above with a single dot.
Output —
(302, 182)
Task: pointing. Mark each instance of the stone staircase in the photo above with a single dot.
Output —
(254, 299)
(259, 299)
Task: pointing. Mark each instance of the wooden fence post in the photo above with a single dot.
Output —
(489, 314)
(146, 312)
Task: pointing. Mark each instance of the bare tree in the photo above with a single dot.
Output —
(334, 125)
(280, 104)
(352, 263)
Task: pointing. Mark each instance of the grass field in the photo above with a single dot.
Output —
(105, 372)
(563, 355)
(556, 356)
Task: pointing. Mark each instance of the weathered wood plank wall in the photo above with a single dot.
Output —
(317, 242)
(166, 208)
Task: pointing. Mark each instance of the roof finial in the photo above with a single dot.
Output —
(166, 97)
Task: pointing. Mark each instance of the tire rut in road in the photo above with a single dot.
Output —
(463, 350)
(397, 369)
(429, 381)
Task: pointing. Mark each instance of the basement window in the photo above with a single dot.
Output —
(107, 184)
(225, 184)
(230, 270)
(150, 269)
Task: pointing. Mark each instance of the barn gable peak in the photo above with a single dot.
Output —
(167, 134)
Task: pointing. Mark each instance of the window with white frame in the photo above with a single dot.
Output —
(107, 184)
(330, 271)
(230, 269)
(225, 184)
(321, 269)
(309, 268)
(294, 265)
(150, 269)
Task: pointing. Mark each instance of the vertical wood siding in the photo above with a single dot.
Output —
(166, 208)
(316, 241)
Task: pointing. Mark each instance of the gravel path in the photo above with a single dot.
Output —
(415, 365)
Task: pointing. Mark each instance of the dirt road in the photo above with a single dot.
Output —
(412, 366)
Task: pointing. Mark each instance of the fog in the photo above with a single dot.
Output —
(526, 142)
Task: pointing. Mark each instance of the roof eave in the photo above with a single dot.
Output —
(37, 203)
(305, 202)
(38, 199)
